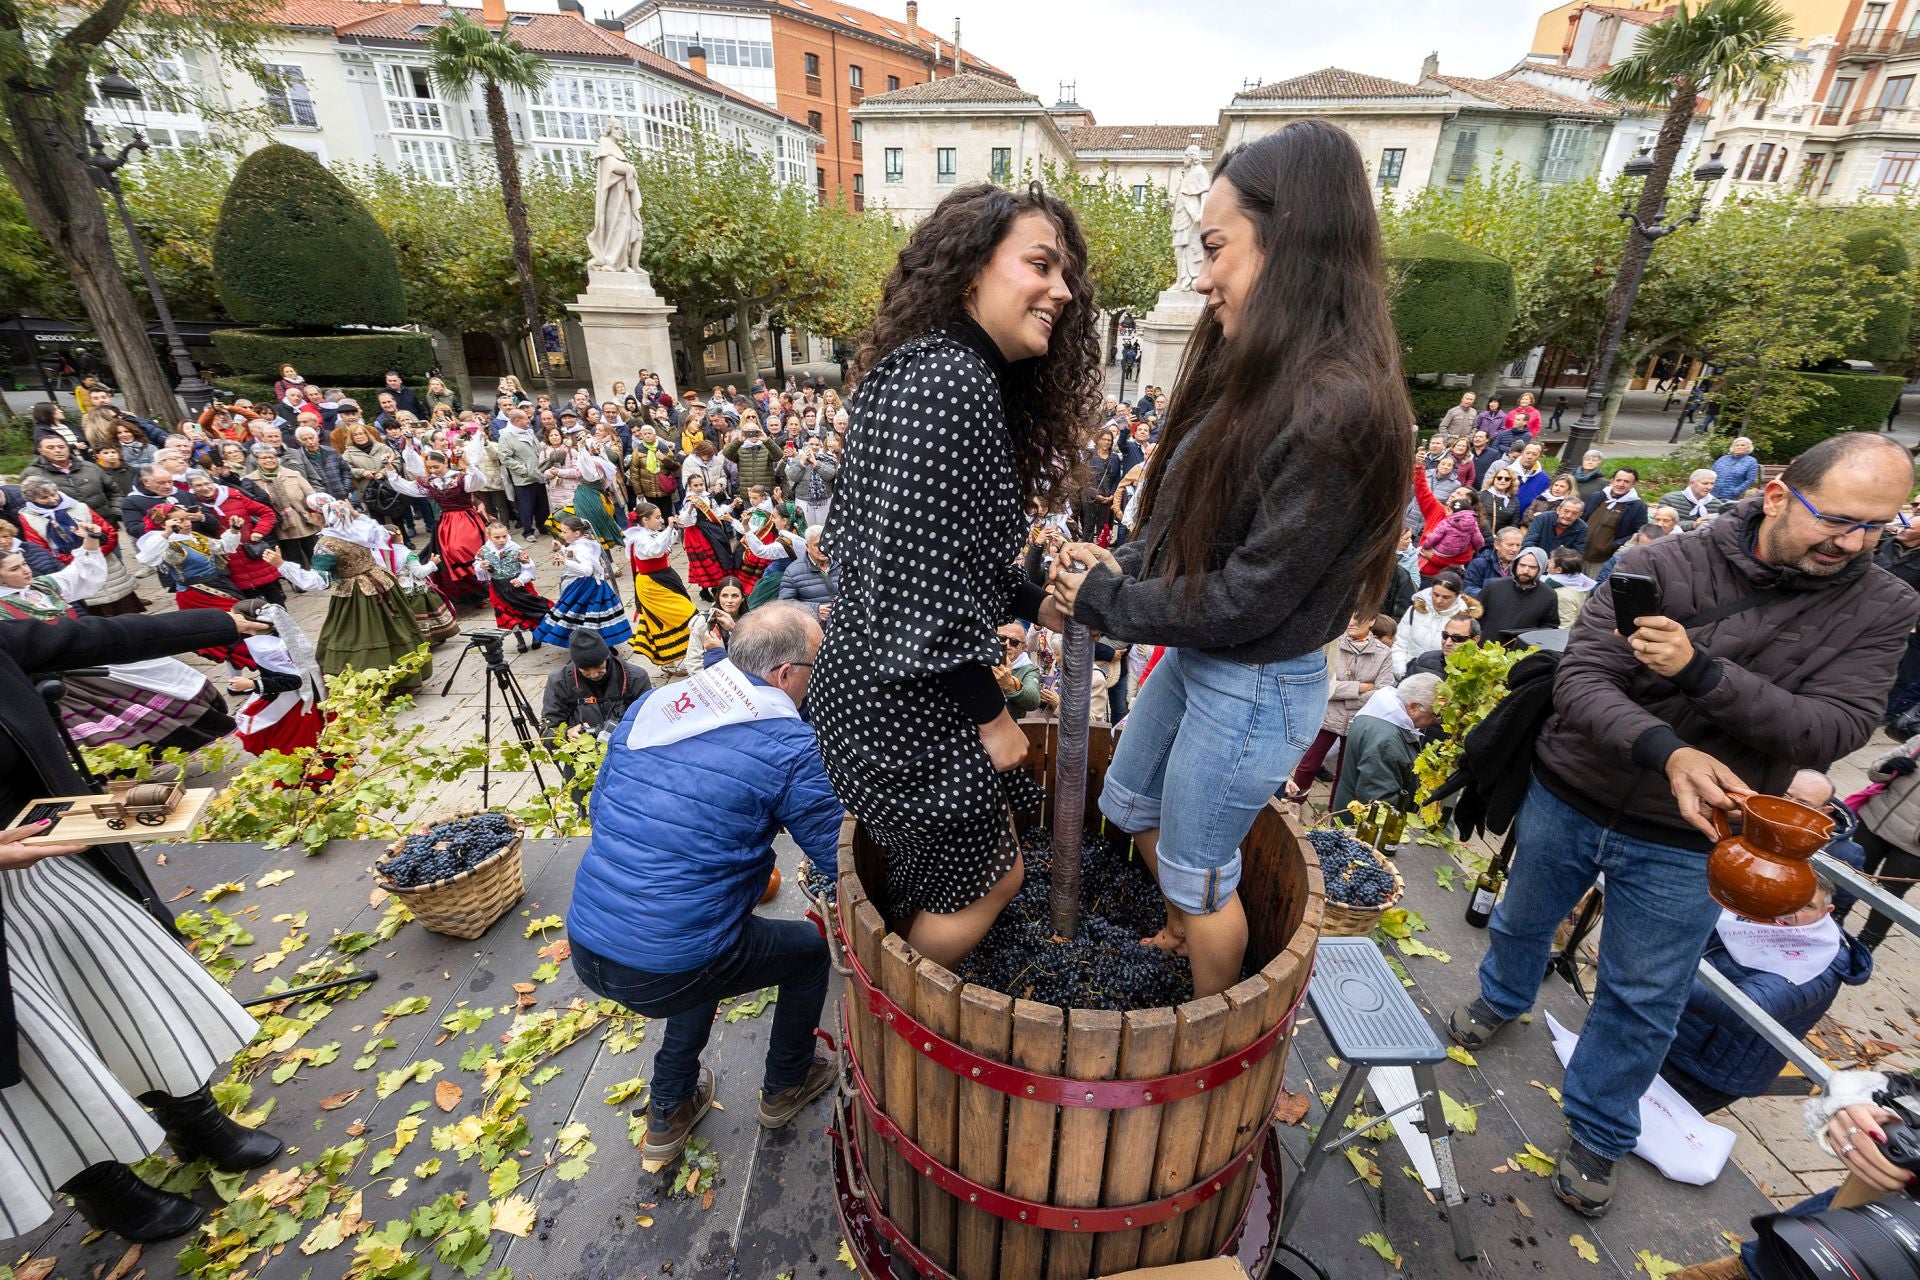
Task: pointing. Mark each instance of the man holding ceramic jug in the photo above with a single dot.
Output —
(1759, 646)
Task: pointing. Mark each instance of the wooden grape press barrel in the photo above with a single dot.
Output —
(980, 1137)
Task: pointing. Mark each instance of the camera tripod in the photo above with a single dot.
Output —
(519, 711)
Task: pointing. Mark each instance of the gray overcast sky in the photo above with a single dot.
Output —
(1180, 61)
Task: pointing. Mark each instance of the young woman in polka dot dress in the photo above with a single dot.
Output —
(975, 384)
(1270, 514)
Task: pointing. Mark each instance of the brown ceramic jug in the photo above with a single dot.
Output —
(1765, 872)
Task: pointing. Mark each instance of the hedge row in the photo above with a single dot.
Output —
(261, 393)
(1890, 317)
(1453, 305)
(294, 247)
(1430, 404)
(1858, 402)
(330, 357)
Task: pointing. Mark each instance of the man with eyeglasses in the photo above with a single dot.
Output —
(1457, 632)
(1776, 642)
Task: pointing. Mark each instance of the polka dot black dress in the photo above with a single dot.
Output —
(925, 527)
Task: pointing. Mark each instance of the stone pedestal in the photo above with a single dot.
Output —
(625, 325)
(1163, 335)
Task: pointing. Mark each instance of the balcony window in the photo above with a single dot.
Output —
(1896, 173)
(854, 79)
(895, 169)
(1003, 164)
(1740, 165)
(1833, 171)
(1895, 92)
(1810, 169)
(1140, 193)
(1392, 161)
(429, 158)
(1758, 170)
(945, 169)
(288, 97)
(1779, 165)
(411, 103)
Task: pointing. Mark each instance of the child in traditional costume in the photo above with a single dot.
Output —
(586, 598)
(509, 575)
(711, 556)
(282, 712)
(661, 609)
(369, 623)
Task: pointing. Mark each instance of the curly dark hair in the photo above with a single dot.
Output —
(1053, 397)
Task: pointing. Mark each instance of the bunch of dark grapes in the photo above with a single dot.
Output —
(1354, 876)
(818, 883)
(446, 850)
(1105, 967)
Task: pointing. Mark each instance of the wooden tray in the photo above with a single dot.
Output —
(79, 826)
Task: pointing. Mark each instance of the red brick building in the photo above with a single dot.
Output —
(811, 60)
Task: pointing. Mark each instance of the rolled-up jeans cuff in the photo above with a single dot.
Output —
(1127, 809)
(1199, 891)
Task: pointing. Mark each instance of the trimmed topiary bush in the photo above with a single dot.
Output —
(247, 387)
(1452, 305)
(1891, 318)
(330, 357)
(1430, 404)
(294, 247)
(1860, 402)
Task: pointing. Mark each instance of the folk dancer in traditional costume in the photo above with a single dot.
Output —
(282, 712)
(509, 575)
(586, 598)
(459, 534)
(184, 547)
(55, 521)
(711, 555)
(661, 609)
(369, 623)
(158, 702)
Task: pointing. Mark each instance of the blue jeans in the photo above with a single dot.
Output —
(1657, 924)
(788, 954)
(1207, 744)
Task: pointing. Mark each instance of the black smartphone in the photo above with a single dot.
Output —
(1634, 596)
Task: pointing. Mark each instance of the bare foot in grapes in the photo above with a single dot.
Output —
(1174, 944)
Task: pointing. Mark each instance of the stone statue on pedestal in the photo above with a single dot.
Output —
(614, 242)
(1187, 198)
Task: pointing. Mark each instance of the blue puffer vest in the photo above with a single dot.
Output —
(683, 834)
(1717, 1048)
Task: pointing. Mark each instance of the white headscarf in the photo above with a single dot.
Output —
(289, 652)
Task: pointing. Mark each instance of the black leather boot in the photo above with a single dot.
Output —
(199, 1130)
(112, 1198)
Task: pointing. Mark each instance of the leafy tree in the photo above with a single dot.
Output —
(1129, 240)
(1729, 50)
(861, 248)
(32, 281)
(725, 239)
(462, 53)
(49, 55)
(456, 251)
(175, 197)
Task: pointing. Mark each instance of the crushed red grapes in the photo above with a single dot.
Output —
(1106, 966)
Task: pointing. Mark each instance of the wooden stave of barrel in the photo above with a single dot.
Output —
(1074, 1157)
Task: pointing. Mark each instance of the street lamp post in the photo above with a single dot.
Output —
(124, 99)
(1580, 435)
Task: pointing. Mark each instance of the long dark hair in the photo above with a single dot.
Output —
(1051, 398)
(1316, 355)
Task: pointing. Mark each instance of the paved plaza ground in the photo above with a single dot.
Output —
(772, 1210)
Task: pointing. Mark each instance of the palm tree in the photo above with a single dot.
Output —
(462, 53)
(1726, 50)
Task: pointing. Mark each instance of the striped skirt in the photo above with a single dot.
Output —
(104, 711)
(661, 614)
(109, 1008)
(585, 602)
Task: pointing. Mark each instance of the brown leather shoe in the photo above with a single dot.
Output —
(665, 1142)
(1719, 1269)
(777, 1110)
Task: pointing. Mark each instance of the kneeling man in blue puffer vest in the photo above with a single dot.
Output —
(698, 779)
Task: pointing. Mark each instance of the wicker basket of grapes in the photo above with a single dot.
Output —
(1361, 885)
(459, 875)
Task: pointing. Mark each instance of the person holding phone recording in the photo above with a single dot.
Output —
(1760, 646)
